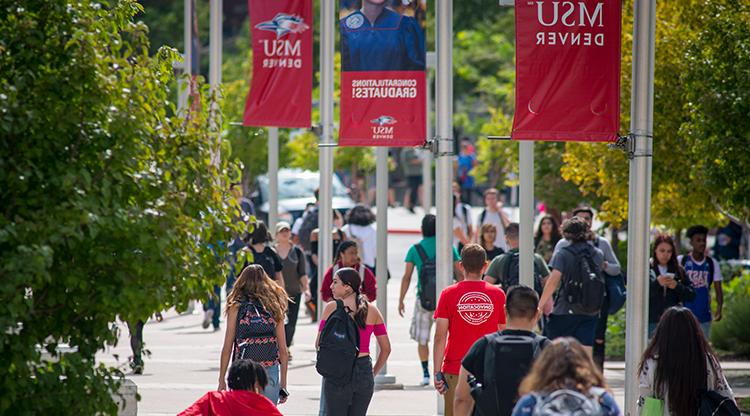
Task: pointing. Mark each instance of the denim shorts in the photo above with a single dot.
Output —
(272, 388)
(580, 327)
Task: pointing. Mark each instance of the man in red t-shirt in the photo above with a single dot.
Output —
(466, 311)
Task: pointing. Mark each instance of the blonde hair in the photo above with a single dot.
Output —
(564, 364)
(254, 283)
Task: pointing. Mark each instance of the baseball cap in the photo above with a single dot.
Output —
(282, 225)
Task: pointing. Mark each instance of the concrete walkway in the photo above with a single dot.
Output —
(184, 360)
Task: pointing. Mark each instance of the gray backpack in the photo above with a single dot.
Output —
(570, 403)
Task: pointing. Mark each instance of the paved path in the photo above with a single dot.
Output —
(184, 360)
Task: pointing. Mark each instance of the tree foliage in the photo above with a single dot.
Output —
(109, 199)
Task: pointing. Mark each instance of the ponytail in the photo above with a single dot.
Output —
(360, 316)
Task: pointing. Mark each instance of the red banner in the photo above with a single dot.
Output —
(383, 86)
(567, 70)
(281, 90)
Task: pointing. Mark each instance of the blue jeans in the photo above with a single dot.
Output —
(214, 303)
(706, 327)
(272, 388)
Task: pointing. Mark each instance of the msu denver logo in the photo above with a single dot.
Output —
(284, 23)
(383, 120)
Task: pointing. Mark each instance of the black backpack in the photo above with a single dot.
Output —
(584, 287)
(714, 404)
(507, 360)
(309, 223)
(427, 280)
(511, 274)
(338, 347)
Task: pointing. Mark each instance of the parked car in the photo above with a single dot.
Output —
(296, 190)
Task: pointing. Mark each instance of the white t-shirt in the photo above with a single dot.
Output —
(297, 225)
(461, 221)
(367, 234)
(495, 219)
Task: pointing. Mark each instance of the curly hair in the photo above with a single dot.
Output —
(576, 229)
(360, 215)
(254, 283)
(564, 364)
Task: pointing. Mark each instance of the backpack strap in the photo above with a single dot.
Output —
(508, 264)
(482, 216)
(711, 270)
(422, 253)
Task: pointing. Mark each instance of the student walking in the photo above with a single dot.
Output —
(610, 267)
(422, 255)
(262, 254)
(466, 311)
(677, 365)
(246, 381)
(504, 269)
(497, 363)
(360, 228)
(487, 233)
(494, 214)
(462, 229)
(255, 329)
(565, 381)
(348, 256)
(295, 277)
(546, 237)
(703, 271)
(669, 284)
(579, 300)
(345, 353)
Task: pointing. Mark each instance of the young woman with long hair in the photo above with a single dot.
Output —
(546, 237)
(255, 312)
(679, 363)
(565, 366)
(487, 233)
(353, 399)
(669, 284)
(348, 256)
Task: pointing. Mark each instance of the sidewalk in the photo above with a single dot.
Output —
(184, 360)
(401, 221)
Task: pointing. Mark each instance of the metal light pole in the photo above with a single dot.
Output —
(325, 162)
(427, 185)
(214, 72)
(526, 208)
(273, 178)
(444, 137)
(639, 198)
(381, 261)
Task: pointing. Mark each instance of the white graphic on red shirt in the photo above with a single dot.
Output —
(475, 308)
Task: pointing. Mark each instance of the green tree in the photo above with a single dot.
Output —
(717, 101)
(109, 199)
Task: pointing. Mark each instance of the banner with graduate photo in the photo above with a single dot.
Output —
(383, 90)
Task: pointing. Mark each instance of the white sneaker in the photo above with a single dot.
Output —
(425, 381)
(207, 317)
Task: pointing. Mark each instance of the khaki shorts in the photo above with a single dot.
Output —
(421, 324)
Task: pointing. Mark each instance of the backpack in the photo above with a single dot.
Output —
(569, 402)
(616, 293)
(714, 404)
(511, 357)
(710, 266)
(427, 280)
(309, 223)
(338, 347)
(511, 274)
(254, 322)
(584, 288)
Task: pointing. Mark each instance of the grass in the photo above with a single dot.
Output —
(744, 404)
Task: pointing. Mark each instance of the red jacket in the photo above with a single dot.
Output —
(370, 284)
(232, 402)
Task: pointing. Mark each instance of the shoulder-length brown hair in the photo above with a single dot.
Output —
(564, 364)
(254, 283)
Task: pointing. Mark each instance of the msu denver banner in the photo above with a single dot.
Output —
(382, 73)
(567, 70)
(281, 91)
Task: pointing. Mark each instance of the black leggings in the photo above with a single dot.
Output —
(351, 399)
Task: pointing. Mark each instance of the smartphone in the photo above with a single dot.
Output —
(283, 393)
(440, 377)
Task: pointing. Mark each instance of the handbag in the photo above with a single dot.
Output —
(652, 407)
